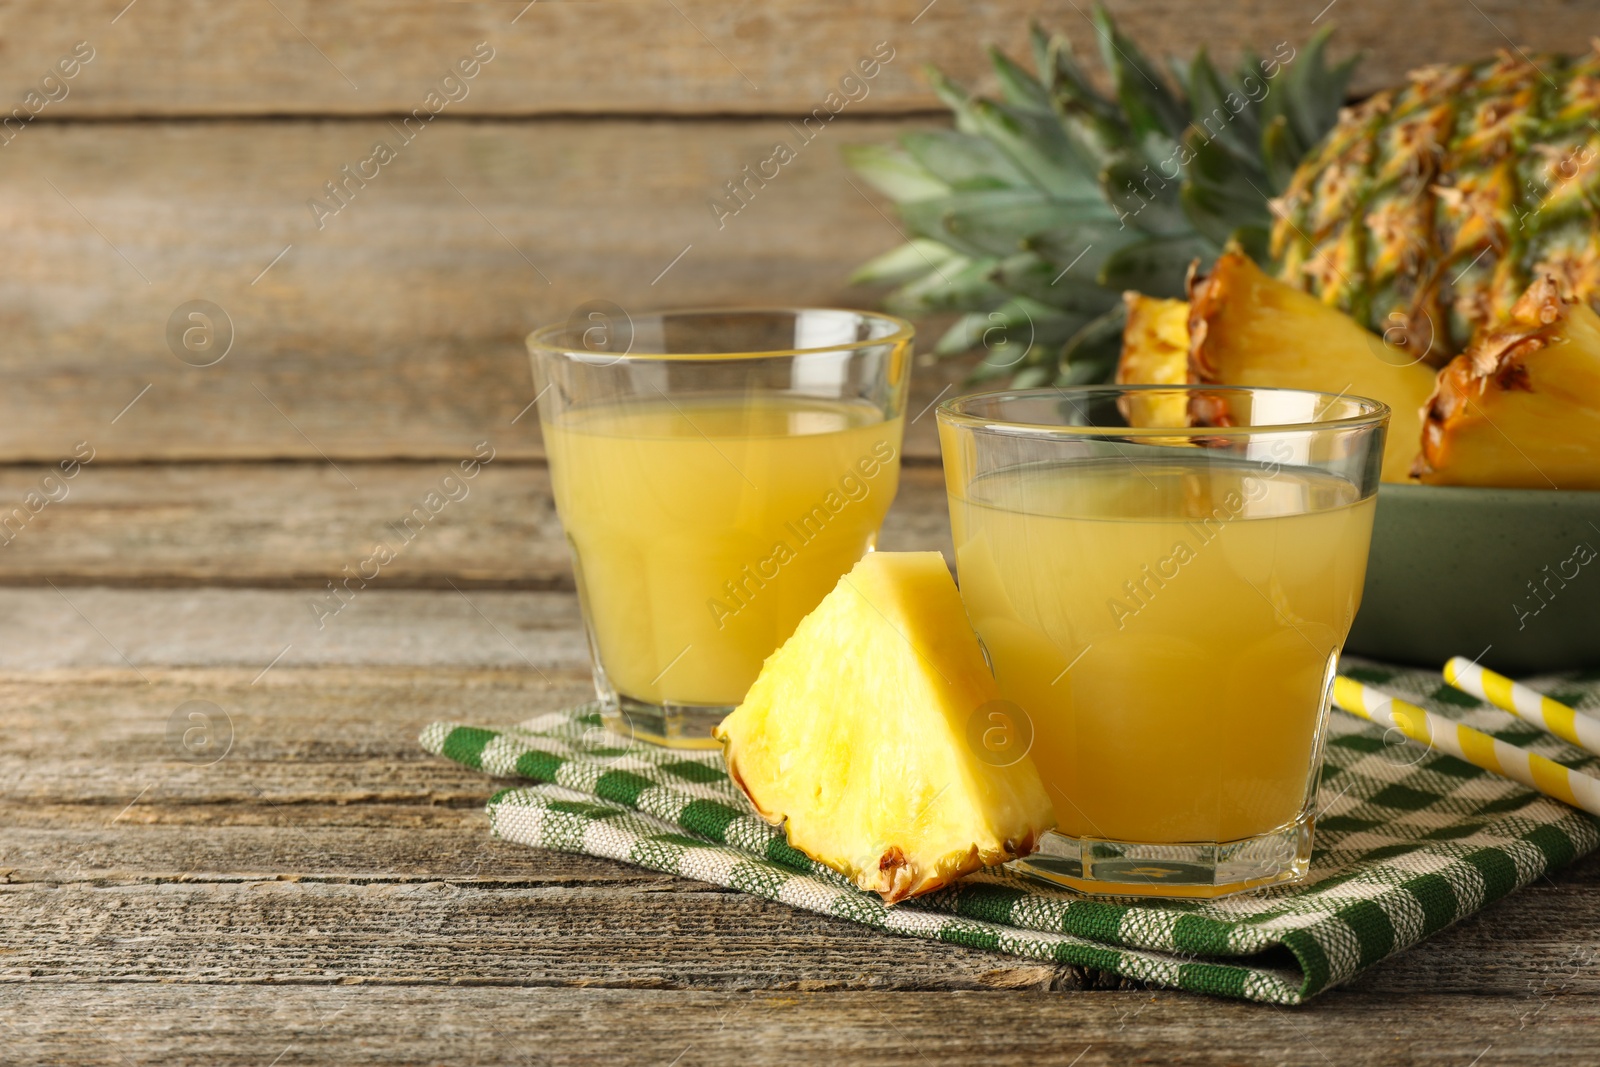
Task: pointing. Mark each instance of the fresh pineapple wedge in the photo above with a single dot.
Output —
(1155, 351)
(857, 733)
(1521, 407)
(1249, 329)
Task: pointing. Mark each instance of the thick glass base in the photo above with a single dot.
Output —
(1207, 870)
(672, 725)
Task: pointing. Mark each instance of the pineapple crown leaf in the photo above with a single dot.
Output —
(1040, 45)
(893, 172)
(1038, 146)
(962, 161)
(1091, 353)
(1021, 89)
(1314, 91)
(916, 258)
(1050, 197)
(1209, 101)
(1155, 266)
(1279, 153)
(1150, 105)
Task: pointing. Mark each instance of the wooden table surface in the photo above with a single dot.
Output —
(323, 891)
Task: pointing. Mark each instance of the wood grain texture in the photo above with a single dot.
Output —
(395, 330)
(42, 628)
(148, 897)
(326, 835)
(303, 524)
(380, 903)
(504, 1024)
(166, 57)
(672, 936)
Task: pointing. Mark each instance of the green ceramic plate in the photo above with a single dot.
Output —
(1458, 571)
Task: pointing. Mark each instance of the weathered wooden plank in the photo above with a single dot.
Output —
(41, 628)
(305, 523)
(158, 1024)
(64, 844)
(674, 935)
(325, 786)
(391, 882)
(394, 330)
(328, 736)
(165, 57)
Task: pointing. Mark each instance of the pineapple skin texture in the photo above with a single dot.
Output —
(1521, 408)
(1431, 206)
(855, 735)
(1247, 328)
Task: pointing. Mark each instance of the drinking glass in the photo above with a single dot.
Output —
(1162, 578)
(716, 472)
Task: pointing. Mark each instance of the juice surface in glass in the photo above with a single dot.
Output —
(705, 528)
(1169, 628)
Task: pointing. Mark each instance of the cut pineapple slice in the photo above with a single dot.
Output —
(1249, 329)
(1521, 407)
(857, 732)
(1155, 351)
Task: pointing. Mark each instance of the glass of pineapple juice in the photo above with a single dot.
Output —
(1162, 578)
(716, 472)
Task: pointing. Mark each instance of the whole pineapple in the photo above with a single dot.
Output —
(1040, 208)
(1431, 207)
(1423, 212)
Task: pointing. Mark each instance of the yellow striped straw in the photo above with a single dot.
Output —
(1549, 715)
(1463, 742)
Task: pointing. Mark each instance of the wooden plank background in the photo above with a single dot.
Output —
(689, 57)
(147, 903)
(180, 162)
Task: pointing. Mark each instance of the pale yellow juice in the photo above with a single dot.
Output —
(1169, 629)
(705, 528)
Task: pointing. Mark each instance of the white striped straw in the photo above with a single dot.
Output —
(1463, 742)
(1549, 715)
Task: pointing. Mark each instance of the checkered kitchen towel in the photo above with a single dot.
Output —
(1407, 843)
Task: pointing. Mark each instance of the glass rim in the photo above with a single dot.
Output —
(951, 411)
(540, 340)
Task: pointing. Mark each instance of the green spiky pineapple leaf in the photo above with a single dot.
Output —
(911, 260)
(1091, 354)
(893, 172)
(1042, 205)
(962, 160)
(1154, 267)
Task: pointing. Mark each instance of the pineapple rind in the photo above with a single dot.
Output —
(855, 737)
(1247, 328)
(1430, 206)
(1521, 407)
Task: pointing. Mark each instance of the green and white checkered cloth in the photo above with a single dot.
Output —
(1407, 843)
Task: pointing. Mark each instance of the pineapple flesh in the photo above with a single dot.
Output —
(857, 735)
(1249, 329)
(1521, 407)
(1155, 351)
